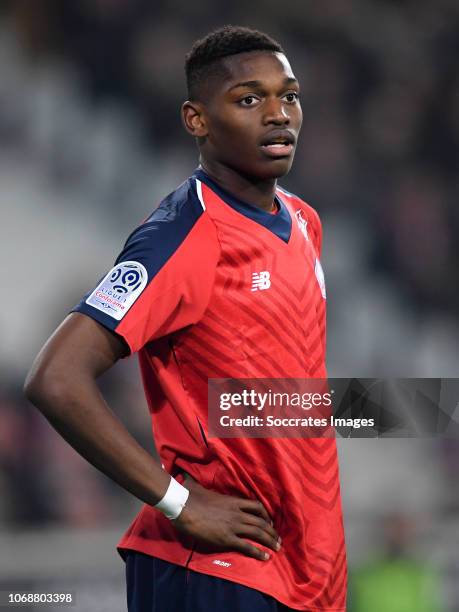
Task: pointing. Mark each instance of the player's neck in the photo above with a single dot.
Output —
(258, 193)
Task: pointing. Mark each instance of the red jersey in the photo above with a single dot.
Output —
(212, 287)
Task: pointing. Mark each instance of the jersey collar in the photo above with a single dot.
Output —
(279, 224)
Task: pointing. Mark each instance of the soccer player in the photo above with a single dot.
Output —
(222, 280)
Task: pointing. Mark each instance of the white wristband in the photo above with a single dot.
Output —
(174, 500)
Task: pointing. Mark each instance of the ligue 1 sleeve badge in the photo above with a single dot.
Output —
(119, 289)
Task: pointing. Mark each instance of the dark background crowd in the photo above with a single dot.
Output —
(90, 141)
(380, 94)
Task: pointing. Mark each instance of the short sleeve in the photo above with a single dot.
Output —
(163, 278)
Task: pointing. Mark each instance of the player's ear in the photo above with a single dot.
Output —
(193, 119)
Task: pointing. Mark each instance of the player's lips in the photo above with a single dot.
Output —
(278, 143)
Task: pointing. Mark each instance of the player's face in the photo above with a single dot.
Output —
(254, 117)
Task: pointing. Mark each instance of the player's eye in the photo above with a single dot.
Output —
(248, 101)
(292, 96)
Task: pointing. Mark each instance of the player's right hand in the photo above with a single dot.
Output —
(227, 522)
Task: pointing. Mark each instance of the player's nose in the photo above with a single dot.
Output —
(275, 113)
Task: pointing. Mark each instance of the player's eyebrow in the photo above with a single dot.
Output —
(258, 84)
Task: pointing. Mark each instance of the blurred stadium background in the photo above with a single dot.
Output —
(91, 139)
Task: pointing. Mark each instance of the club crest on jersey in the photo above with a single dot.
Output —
(119, 289)
(302, 223)
(261, 281)
(320, 278)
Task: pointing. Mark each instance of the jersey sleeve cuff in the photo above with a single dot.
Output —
(104, 320)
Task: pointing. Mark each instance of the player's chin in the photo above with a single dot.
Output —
(262, 167)
(276, 168)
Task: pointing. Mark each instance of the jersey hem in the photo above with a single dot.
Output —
(138, 545)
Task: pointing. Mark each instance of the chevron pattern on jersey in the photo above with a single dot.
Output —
(261, 315)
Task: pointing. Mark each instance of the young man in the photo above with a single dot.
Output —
(223, 280)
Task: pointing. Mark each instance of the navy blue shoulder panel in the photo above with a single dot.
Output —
(165, 229)
(279, 224)
(155, 241)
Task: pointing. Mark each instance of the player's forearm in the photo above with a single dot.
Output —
(77, 410)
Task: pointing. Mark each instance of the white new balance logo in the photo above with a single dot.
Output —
(260, 281)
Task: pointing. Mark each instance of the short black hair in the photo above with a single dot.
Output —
(203, 59)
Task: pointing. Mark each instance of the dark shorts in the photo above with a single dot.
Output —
(154, 585)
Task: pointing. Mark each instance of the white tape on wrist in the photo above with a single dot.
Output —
(174, 500)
